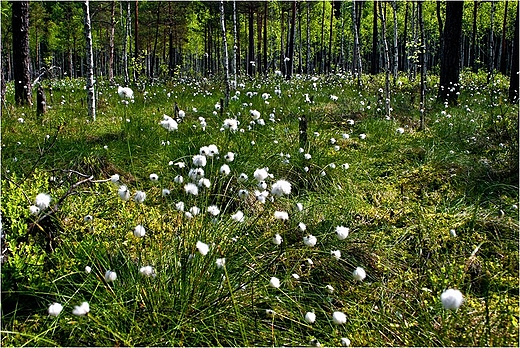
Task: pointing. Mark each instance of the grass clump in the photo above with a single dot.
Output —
(194, 260)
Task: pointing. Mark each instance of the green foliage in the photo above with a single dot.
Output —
(400, 195)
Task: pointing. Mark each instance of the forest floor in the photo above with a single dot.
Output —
(212, 235)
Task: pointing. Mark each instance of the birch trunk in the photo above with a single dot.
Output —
(387, 61)
(396, 52)
(422, 67)
(111, 42)
(235, 44)
(91, 97)
(225, 52)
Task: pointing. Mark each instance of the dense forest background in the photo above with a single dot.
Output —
(165, 38)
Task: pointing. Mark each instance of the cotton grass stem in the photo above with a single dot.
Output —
(235, 307)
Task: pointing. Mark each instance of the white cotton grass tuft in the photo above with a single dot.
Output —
(453, 233)
(329, 288)
(261, 174)
(203, 248)
(140, 196)
(452, 299)
(238, 216)
(178, 179)
(277, 239)
(213, 210)
(165, 192)
(139, 231)
(82, 309)
(220, 262)
(88, 269)
(191, 189)
(114, 178)
(310, 317)
(310, 240)
(345, 342)
(242, 177)
(169, 123)
(280, 188)
(281, 215)
(147, 271)
(124, 193)
(125, 92)
(302, 226)
(154, 177)
(224, 170)
(274, 282)
(243, 193)
(55, 309)
(199, 160)
(336, 254)
(339, 318)
(359, 274)
(229, 157)
(34, 210)
(342, 232)
(42, 201)
(179, 206)
(110, 276)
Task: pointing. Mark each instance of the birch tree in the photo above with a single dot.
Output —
(387, 60)
(225, 52)
(91, 98)
(422, 67)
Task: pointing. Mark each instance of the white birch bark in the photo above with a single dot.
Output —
(91, 97)
(225, 52)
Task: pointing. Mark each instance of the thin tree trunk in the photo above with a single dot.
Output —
(300, 48)
(515, 67)
(387, 61)
(225, 51)
(251, 50)
(21, 57)
(396, 53)
(235, 45)
(308, 55)
(125, 44)
(503, 46)
(111, 41)
(137, 66)
(291, 42)
(491, 62)
(374, 68)
(91, 97)
(322, 49)
(155, 41)
(329, 55)
(356, 59)
(265, 37)
(422, 66)
(473, 53)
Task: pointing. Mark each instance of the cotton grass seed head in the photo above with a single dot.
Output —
(345, 342)
(110, 276)
(342, 232)
(359, 274)
(140, 196)
(274, 282)
(154, 177)
(280, 188)
(339, 318)
(191, 189)
(452, 299)
(147, 271)
(336, 254)
(203, 248)
(281, 215)
(277, 239)
(220, 262)
(310, 317)
(55, 309)
(261, 174)
(310, 240)
(82, 309)
(42, 201)
(139, 231)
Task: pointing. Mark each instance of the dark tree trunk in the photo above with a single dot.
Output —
(41, 101)
(503, 46)
(251, 48)
(322, 49)
(450, 62)
(329, 55)
(472, 56)
(515, 68)
(290, 66)
(374, 68)
(21, 57)
(155, 41)
(265, 37)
